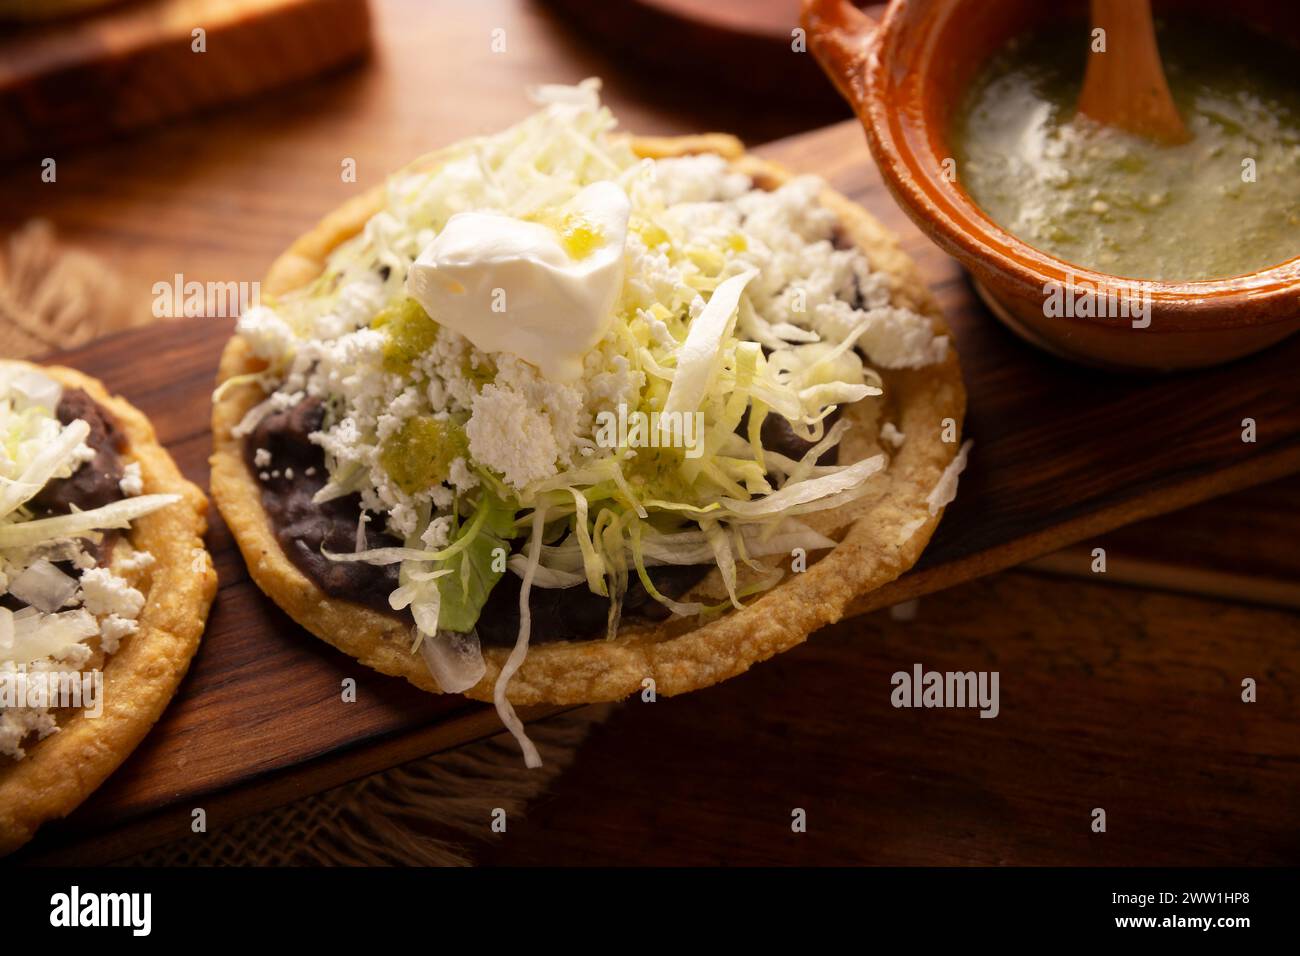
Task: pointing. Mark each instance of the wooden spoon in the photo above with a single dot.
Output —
(1125, 86)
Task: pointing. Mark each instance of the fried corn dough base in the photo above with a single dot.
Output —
(60, 771)
(679, 655)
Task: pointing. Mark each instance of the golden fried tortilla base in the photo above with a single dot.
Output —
(60, 771)
(887, 534)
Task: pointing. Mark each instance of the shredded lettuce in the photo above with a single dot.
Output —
(516, 659)
(55, 458)
(697, 359)
(722, 555)
(680, 608)
(593, 565)
(810, 494)
(116, 514)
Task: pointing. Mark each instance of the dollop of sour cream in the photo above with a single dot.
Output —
(543, 289)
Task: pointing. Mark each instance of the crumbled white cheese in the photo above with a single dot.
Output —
(461, 477)
(611, 381)
(703, 178)
(103, 592)
(438, 534)
(511, 437)
(262, 458)
(402, 518)
(897, 338)
(408, 403)
(660, 334)
(445, 366)
(132, 482)
(356, 305)
(268, 336)
(890, 433)
(135, 561)
(112, 629)
(16, 723)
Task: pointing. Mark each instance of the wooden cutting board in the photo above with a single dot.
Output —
(72, 81)
(1240, 548)
(1061, 455)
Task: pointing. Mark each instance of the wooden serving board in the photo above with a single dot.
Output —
(1242, 548)
(71, 81)
(1062, 454)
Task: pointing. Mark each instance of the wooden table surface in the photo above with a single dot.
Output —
(1126, 698)
(170, 200)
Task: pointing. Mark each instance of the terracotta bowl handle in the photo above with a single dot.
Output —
(839, 35)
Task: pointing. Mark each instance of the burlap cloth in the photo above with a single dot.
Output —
(434, 812)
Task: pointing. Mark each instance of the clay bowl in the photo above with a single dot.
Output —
(905, 75)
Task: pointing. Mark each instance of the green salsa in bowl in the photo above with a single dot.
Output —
(1092, 244)
(1226, 203)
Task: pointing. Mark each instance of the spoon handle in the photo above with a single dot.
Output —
(1125, 83)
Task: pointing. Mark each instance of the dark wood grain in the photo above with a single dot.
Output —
(1060, 453)
(1241, 547)
(1110, 697)
(74, 81)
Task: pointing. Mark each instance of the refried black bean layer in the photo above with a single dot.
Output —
(96, 482)
(301, 527)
